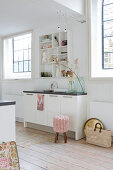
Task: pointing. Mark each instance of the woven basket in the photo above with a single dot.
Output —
(99, 136)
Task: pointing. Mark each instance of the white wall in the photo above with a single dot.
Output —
(97, 90)
(75, 5)
(0, 67)
(13, 89)
(0, 90)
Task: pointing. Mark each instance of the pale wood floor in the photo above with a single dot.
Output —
(37, 151)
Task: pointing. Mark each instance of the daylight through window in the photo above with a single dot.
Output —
(107, 34)
(22, 53)
(17, 56)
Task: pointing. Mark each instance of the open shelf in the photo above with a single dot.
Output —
(46, 42)
(53, 52)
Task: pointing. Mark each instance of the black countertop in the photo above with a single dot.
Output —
(57, 93)
(6, 102)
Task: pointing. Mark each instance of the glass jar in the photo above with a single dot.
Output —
(71, 86)
(76, 86)
(80, 85)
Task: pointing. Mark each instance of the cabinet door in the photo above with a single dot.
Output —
(53, 108)
(41, 116)
(30, 107)
(7, 123)
(68, 107)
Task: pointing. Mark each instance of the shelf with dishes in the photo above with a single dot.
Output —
(53, 54)
(43, 42)
(57, 72)
(54, 58)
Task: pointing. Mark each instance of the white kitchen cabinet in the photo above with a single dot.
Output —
(7, 121)
(72, 105)
(53, 107)
(68, 107)
(75, 108)
(41, 115)
(81, 116)
(30, 108)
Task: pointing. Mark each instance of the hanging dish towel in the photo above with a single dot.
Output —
(40, 102)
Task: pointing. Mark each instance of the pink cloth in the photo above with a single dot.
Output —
(61, 123)
(40, 102)
(4, 163)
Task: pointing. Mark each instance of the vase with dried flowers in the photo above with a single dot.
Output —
(72, 73)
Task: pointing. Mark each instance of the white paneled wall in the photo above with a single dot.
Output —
(104, 112)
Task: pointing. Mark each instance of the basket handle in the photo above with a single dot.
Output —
(96, 127)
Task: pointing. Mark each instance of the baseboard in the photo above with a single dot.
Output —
(48, 129)
(19, 119)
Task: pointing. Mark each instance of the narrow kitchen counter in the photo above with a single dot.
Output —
(58, 93)
(6, 102)
(7, 120)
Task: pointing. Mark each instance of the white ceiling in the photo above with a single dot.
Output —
(21, 15)
(75, 5)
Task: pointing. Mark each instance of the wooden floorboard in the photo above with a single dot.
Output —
(37, 151)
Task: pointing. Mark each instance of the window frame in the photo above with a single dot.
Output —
(103, 35)
(29, 60)
(32, 59)
(105, 74)
(103, 52)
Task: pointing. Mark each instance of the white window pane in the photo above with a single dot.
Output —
(108, 12)
(108, 28)
(20, 55)
(108, 60)
(26, 68)
(25, 41)
(108, 44)
(108, 33)
(15, 56)
(29, 65)
(20, 44)
(15, 45)
(29, 42)
(18, 37)
(16, 67)
(108, 1)
(20, 66)
(29, 54)
(25, 54)
(27, 35)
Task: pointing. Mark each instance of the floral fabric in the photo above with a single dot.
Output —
(9, 156)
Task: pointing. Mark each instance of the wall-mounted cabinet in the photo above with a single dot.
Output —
(54, 54)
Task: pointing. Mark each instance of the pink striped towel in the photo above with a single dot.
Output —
(40, 102)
